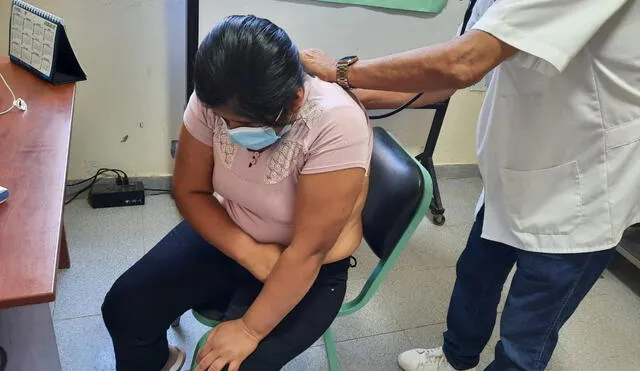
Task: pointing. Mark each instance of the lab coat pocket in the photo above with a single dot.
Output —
(546, 201)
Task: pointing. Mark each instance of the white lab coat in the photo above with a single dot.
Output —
(559, 132)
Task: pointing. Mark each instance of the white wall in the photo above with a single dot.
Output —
(370, 32)
(133, 53)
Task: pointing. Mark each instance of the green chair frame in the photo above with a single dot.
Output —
(370, 287)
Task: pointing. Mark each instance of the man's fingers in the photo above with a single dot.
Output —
(206, 348)
(205, 363)
(234, 366)
(218, 364)
(203, 353)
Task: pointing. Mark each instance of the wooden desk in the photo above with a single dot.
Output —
(34, 148)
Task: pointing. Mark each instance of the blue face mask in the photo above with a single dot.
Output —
(256, 139)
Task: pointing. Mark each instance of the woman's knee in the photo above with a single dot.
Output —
(117, 308)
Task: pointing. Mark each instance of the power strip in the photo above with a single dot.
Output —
(104, 195)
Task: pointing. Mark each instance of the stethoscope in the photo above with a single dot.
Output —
(467, 17)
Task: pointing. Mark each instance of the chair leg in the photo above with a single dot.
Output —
(199, 346)
(332, 354)
(175, 323)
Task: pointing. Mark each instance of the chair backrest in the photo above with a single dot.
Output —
(397, 188)
(400, 192)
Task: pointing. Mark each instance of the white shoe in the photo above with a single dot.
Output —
(176, 359)
(425, 360)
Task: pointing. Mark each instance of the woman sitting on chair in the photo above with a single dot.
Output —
(287, 157)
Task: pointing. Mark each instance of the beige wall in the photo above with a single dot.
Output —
(133, 54)
(456, 143)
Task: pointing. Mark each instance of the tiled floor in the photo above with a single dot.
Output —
(409, 310)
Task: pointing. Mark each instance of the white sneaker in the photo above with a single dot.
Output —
(176, 359)
(425, 360)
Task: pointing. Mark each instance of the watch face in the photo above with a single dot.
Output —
(349, 58)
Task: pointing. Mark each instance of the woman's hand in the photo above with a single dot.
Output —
(320, 64)
(229, 343)
(262, 260)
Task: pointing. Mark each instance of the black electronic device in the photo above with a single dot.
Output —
(104, 195)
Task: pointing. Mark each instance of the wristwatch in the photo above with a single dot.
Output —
(342, 74)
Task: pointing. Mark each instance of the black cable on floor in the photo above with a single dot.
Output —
(157, 190)
(122, 178)
(98, 173)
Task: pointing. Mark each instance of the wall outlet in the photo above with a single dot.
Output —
(174, 148)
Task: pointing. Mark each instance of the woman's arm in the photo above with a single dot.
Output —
(193, 193)
(324, 202)
(320, 217)
(380, 99)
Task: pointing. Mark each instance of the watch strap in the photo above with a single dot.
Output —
(342, 72)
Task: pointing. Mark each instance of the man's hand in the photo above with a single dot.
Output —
(320, 64)
(229, 343)
(262, 262)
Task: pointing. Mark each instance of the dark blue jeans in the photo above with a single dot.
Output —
(182, 272)
(545, 291)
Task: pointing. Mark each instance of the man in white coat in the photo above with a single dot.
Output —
(559, 151)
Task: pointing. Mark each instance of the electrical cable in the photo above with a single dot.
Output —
(13, 96)
(122, 178)
(84, 189)
(98, 173)
(18, 103)
(465, 22)
(125, 177)
(157, 190)
(401, 108)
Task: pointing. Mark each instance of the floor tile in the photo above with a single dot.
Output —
(628, 362)
(505, 290)
(376, 353)
(622, 317)
(373, 319)
(408, 311)
(426, 336)
(101, 236)
(415, 298)
(459, 197)
(561, 360)
(434, 247)
(465, 190)
(81, 289)
(84, 344)
(103, 243)
(159, 217)
(609, 284)
(582, 336)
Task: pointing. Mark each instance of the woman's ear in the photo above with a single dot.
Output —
(298, 101)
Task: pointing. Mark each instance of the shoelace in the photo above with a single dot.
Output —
(430, 357)
(433, 359)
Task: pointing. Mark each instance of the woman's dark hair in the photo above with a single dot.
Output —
(250, 65)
